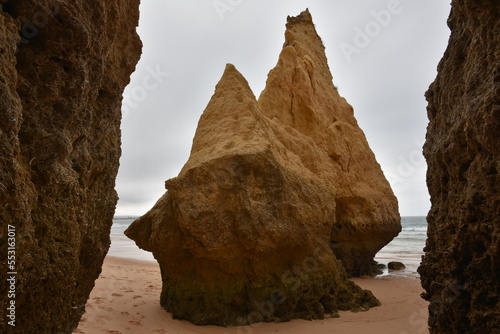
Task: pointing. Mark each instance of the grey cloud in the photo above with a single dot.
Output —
(385, 82)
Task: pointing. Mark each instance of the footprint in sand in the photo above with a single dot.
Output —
(137, 323)
(98, 300)
(116, 295)
(124, 313)
(135, 297)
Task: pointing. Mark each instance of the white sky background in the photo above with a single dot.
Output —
(188, 43)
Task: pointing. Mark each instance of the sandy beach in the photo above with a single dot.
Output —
(125, 300)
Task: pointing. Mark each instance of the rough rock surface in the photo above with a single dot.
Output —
(461, 268)
(64, 65)
(245, 232)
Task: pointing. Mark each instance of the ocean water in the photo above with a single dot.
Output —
(122, 246)
(407, 247)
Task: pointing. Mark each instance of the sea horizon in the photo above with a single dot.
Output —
(407, 247)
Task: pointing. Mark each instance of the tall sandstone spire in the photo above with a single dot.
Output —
(245, 232)
(300, 99)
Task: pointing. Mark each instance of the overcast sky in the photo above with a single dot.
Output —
(383, 56)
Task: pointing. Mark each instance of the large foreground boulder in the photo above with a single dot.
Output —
(245, 233)
(64, 65)
(461, 268)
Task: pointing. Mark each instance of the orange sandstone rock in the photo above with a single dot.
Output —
(245, 232)
(322, 140)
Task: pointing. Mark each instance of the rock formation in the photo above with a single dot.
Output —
(395, 265)
(461, 268)
(245, 232)
(64, 65)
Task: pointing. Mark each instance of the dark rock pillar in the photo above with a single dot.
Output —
(64, 65)
(461, 268)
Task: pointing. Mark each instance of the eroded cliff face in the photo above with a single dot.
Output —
(64, 65)
(245, 233)
(461, 268)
